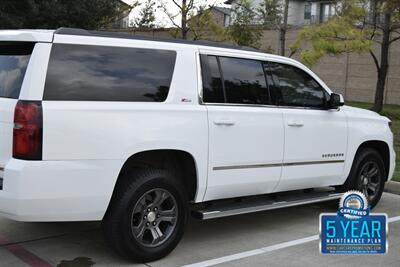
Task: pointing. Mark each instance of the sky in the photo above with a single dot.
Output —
(161, 19)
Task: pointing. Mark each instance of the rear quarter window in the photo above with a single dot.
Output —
(14, 59)
(102, 73)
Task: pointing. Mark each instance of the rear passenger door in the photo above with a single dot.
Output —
(315, 137)
(245, 134)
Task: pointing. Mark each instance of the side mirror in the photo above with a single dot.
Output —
(335, 101)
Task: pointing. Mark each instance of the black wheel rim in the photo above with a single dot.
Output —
(370, 180)
(154, 217)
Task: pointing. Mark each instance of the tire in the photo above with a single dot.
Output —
(367, 175)
(147, 215)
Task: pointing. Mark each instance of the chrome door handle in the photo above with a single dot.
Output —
(224, 122)
(296, 123)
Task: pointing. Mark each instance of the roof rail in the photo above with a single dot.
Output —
(82, 32)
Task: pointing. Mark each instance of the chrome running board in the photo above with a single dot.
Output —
(263, 203)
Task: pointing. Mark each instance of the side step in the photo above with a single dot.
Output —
(283, 200)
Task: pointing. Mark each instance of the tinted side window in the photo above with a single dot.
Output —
(244, 81)
(212, 82)
(294, 87)
(14, 59)
(100, 73)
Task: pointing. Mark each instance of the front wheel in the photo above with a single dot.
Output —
(147, 215)
(367, 175)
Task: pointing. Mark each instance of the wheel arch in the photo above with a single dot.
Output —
(383, 149)
(180, 162)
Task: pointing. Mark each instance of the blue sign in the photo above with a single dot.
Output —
(353, 230)
(366, 235)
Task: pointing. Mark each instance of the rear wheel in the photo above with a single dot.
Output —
(147, 215)
(367, 175)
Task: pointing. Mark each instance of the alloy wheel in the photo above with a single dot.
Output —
(370, 180)
(154, 217)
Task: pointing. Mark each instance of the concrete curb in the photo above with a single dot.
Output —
(392, 187)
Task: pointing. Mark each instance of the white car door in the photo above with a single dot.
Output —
(315, 137)
(245, 135)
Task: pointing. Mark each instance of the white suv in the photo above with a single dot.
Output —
(136, 132)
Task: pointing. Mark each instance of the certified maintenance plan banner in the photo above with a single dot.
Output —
(366, 235)
(353, 229)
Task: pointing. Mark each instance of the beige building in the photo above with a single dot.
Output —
(302, 12)
(122, 21)
(222, 15)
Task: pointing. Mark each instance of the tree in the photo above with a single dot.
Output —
(274, 14)
(51, 14)
(203, 22)
(283, 27)
(244, 30)
(194, 18)
(185, 8)
(9, 11)
(147, 16)
(358, 26)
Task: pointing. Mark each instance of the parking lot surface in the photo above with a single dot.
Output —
(285, 237)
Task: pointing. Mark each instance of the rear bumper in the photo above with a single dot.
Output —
(57, 190)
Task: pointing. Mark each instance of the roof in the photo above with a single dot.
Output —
(225, 10)
(27, 35)
(81, 32)
(47, 37)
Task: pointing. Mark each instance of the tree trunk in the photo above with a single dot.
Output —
(184, 12)
(384, 66)
(283, 28)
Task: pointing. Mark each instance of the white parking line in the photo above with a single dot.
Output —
(263, 250)
(394, 219)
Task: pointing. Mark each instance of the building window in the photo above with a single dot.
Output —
(326, 12)
(307, 11)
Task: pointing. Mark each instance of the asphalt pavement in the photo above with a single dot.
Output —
(285, 237)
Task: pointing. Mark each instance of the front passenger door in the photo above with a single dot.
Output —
(315, 136)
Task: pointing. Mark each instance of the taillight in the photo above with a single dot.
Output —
(28, 130)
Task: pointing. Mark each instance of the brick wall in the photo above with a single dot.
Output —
(219, 17)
